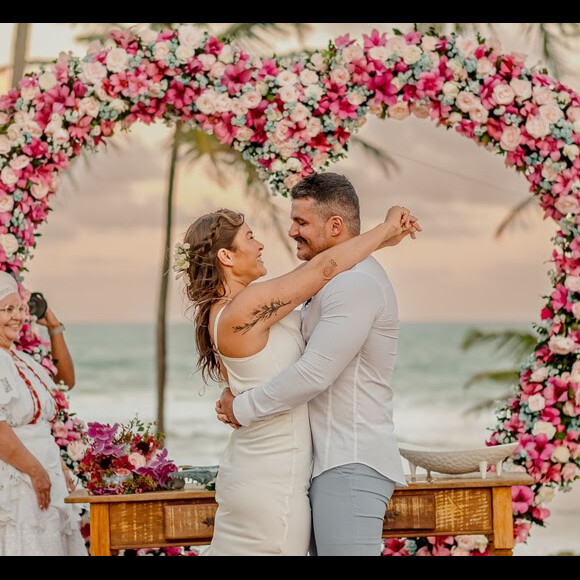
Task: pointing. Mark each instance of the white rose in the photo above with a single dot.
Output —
(466, 45)
(485, 68)
(455, 67)
(207, 60)
(542, 95)
(465, 542)
(117, 60)
(285, 78)
(550, 170)
(148, 36)
(510, 138)
(313, 92)
(544, 427)
(575, 372)
(14, 133)
(244, 134)
(537, 127)
(479, 114)
(20, 162)
(561, 344)
(293, 164)
(313, 126)
(450, 89)
(339, 76)
(92, 73)
(319, 160)
(429, 43)
(288, 94)
(560, 455)
(6, 203)
(184, 54)
(39, 190)
(466, 101)
(571, 151)
(60, 136)
(544, 495)
(567, 204)
(47, 81)
(190, 36)
(399, 111)
(299, 113)
(536, 403)
(161, 51)
(569, 409)
(238, 108)
(382, 53)
(226, 56)
(76, 450)
(355, 98)
(412, 54)
(118, 105)
(503, 94)
(89, 106)
(352, 53)
(522, 89)
(8, 176)
(317, 61)
(217, 70)
(28, 93)
(573, 114)
(551, 113)
(572, 283)
(394, 44)
(206, 102)
(251, 99)
(5, 145)
(540, 375)
(223, 103)
(9, 244)
(576, 314)
(308, 77)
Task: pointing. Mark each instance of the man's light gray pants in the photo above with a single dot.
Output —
(348, 508)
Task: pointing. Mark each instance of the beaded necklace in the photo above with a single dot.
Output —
(35, 398)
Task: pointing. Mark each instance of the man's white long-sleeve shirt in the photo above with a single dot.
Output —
(351, 328)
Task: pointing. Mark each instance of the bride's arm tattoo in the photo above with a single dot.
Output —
(260, 314)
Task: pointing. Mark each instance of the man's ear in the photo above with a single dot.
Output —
(336, 225)
(224, 256)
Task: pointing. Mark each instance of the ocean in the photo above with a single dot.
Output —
(116, 380)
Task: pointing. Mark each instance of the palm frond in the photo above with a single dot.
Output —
(513, 342)
(516, 214)
(508, 376)
(380, 156)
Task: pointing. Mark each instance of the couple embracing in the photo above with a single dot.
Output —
(312, 460)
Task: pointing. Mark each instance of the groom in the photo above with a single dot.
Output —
(351, 328)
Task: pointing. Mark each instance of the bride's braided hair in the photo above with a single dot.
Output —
(206, 236)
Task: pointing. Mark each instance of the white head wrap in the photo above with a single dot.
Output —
(8, 284)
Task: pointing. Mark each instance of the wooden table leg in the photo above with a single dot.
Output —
(100, 530)
(503, 524)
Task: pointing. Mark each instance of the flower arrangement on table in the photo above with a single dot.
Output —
(124, 459)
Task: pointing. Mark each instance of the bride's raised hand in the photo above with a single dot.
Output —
(403, 224)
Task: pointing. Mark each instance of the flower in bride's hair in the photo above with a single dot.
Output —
(181, 258)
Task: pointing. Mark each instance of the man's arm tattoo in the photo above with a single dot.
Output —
(259, 314)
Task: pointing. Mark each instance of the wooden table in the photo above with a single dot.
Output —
(443, 506)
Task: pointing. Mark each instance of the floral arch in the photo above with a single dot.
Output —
(291, 117)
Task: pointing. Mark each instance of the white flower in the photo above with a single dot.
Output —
(181, 260)
(567, 204)
(190, 36)
(561, 454)
(544, 495)
(8, 176)
(544, 427)
(92, 73)
(6, 203)
(561, 344)
(9, 243)
(536, 403)
(47, 81)
(117, 60)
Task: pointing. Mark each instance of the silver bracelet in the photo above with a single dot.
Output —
(53, 332)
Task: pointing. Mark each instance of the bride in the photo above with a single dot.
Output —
(246, 332)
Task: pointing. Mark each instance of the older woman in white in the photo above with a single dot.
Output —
(34, 519)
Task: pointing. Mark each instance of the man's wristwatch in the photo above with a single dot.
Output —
(54, 331)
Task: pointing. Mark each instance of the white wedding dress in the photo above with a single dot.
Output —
(264, 472)
(25, 529)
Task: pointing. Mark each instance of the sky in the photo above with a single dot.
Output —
(99, 256)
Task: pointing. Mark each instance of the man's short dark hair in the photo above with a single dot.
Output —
(333, 194)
